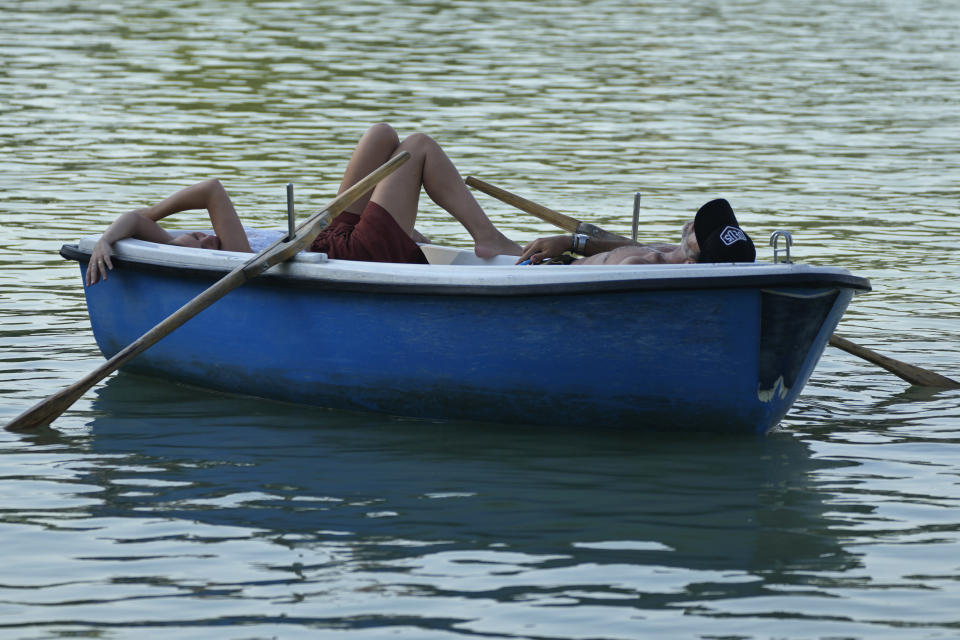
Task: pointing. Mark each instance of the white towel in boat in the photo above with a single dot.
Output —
(260, 239)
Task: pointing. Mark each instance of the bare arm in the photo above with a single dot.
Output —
(209, 195)
(142, 224)
(553, 246)
(129, 225)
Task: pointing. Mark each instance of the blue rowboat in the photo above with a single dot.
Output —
(725, 348)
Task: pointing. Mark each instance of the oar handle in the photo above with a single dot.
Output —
(547, 215)
(46, 411)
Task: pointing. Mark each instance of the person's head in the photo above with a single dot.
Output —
(197, 240)
(719, 237)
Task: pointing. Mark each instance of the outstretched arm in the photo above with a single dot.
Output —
(552, 246)
(132, 224)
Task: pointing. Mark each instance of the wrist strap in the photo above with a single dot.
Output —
(579, 243)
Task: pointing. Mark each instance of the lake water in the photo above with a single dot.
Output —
(166, 511)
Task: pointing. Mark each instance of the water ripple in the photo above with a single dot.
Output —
(164, 509)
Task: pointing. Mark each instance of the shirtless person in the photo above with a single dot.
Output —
(378, 227)
(712, 236)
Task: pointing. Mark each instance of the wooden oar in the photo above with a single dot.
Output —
(48, 410)
(548, 215)
(911, 373)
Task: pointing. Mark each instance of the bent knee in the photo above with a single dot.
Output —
(418, 142)
(212, 186)
(383, 133)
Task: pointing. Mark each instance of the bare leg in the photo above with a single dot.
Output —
(430, 167)
(375, 147)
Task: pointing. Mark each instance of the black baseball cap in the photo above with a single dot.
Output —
(719, 235)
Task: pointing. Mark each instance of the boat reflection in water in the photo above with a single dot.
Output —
(701, 347)
(398, 492)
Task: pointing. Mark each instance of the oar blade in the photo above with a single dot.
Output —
(48, 410)
(911, 373)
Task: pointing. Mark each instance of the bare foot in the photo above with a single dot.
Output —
(495, 246)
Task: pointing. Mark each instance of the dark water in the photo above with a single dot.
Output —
(231, 511)
(166, 511)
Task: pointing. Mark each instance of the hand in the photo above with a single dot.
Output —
(543, 248)
(99, 262)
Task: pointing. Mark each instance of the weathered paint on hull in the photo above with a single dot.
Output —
(663, 360)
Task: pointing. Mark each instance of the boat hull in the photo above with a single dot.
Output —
(686, 359)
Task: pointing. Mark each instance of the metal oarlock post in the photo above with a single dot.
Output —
(636, 215)
(290, 216)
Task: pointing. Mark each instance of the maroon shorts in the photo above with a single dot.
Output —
(373, 236)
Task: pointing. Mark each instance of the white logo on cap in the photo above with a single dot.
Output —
(729, 235)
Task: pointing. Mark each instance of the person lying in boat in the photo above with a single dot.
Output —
(378, 227)
(714, 235)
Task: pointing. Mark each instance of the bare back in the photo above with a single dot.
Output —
(632, 254)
